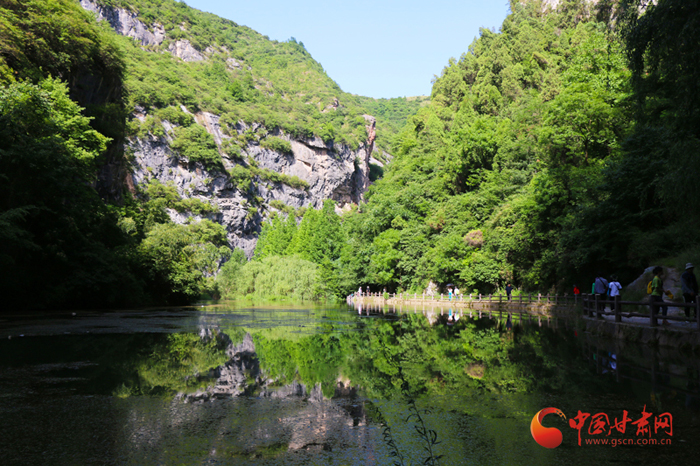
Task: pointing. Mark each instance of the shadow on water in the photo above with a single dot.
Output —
(282, 384)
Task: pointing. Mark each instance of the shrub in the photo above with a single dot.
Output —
(275, 177)
(166, 195)
(276, 144)
(187, 255)
(295, 182)
(279, 205)
(195, 206)
(230, 147)
(272, 277)
(252, 212)
(196, 145)
(175, 115)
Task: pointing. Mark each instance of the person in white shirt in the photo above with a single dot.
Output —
(614, 287)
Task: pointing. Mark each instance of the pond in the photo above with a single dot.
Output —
(232, 383)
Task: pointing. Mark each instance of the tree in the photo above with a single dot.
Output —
(184, 258)
(275, 237)
(60, 239)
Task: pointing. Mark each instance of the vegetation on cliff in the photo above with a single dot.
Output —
(242, 76)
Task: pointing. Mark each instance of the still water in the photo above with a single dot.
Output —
(229, 383)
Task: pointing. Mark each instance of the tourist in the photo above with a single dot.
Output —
(614, 290)
(689, 286)
(600, 288)
(509, 290)
(657, 291)
(456, 293)
(577, 291)
(359, 292)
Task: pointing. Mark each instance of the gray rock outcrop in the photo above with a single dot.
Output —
(126, 23)
(184, 50)
(332, 171)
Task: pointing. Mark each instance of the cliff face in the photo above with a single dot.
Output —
(126, 23)
(332, 171)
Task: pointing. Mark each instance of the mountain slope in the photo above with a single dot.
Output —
(228, 117)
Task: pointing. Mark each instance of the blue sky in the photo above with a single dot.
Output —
(381, 48)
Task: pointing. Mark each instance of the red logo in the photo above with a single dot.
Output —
(602, 425)
(548, 437)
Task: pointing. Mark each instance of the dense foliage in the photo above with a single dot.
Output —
(58, 240)
(58, 38)
(301, 261)
(650, 191)
(489, 176)
(62, 245)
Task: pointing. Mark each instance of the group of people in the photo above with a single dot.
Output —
(453, 292)
(689, 288)
(607, 290)
(604, 290)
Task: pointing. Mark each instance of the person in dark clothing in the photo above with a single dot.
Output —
(601, 290)
(689, 286)
(509, 290)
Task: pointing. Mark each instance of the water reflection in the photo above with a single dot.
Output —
(310, 384)
(665, 373)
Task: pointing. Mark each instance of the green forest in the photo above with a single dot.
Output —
(560, 147)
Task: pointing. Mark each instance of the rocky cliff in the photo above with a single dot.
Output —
(331, 171)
